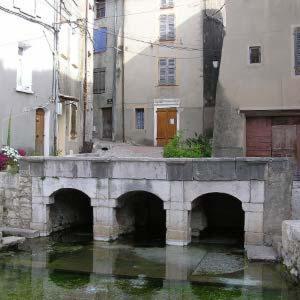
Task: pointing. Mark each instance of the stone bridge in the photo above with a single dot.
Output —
(262, 186)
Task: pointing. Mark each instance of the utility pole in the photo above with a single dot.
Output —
(85, 74)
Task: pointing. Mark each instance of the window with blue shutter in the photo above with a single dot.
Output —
(167, 27)
(167, 71)
(100, 39)
(297, 50)
(139, 118)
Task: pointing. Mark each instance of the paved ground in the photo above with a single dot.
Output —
(110, 149)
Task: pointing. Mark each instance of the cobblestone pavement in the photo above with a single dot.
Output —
(110, 149)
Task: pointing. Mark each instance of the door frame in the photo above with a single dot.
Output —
(165, 103)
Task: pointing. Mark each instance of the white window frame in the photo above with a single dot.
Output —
(24, 69)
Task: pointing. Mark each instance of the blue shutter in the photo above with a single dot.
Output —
(100, 39)
(297, 51)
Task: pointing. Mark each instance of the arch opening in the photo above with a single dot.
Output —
(141, 217)
(71, 209)
(218, 218)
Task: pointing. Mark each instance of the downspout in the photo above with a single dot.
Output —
(123, 78)
(85, 75)
(114, 92)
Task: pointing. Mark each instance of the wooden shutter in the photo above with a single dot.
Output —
(163, 64)
(163, 27)
(171, 27)
(297, 51)
(171, 71)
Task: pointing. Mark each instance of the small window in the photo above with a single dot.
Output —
(99, 81)
(167, 71)
(100, 9)
(167, 27)
(166, 3)
(139, 118)
(24, 70)
(297, 50)
(100, 39)
(255, 55)
(73, 125)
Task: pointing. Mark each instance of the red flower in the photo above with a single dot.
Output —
(22, 152)
(3, 161)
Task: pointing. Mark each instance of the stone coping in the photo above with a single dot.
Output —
(143, 159)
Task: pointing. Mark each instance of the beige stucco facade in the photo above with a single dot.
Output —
(267, 88)
(142, 51)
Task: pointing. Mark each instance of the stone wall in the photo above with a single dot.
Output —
(291, 246)
(15, 200)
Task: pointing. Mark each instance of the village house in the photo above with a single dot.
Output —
(45, 59)
(258, 99)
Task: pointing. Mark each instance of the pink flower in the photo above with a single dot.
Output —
(3, 161)
(22, 152)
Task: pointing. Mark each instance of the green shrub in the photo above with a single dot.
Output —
(191, 148)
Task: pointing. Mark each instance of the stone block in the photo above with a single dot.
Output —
(257, 191)
(253, 207)
(37, 169)
(101, 169)
(213, 170)
(177, 219)
(177, 189)
(254, 238)
(42, 200)
(251, 170)
(60, 168)
(40, 213)
(261, 253)
(139, 170)
(179, 171)
(105, 233)
(102, 189)
(104, 203)
(254, 222)
(83, 169)
(24, 169)
(237, 189)
(178, 237)
(37, 186)
(104, 215)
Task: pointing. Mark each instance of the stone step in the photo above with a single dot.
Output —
(11, 241)
(261, 253)
(27, 233)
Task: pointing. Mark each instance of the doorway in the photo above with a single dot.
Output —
(107, 123)
(39, 131)
(166, 125)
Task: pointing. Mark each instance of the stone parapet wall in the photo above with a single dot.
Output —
(15, 200)
(291, 246)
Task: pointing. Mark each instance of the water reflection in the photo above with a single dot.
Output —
(74, 267)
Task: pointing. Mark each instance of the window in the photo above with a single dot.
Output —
(100, 9)
(99, 81)
(166, 3)
(73, 130)
(24, 70)
(167, 71)
(139, 118)
(167, 27)
(100, 39)
(297, 50)
(255, 55)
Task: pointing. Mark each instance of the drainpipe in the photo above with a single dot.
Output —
(85, 74)
(123, 78)
(114, 92)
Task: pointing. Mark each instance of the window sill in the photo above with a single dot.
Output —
(166, 40)
(25, 91)
(167, 7)
(166, 84)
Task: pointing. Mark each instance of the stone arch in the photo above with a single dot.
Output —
(142, 214)
(218, 215)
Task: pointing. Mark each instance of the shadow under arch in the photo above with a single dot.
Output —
(218, 218)
(71, 208)
(141, 216)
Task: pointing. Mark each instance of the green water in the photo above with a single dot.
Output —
(71, 266)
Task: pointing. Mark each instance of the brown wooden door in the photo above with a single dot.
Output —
(166, 125)
(259, 137)
(39, 131)
(107, 123)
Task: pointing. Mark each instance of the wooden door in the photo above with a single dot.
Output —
(259, 137)
(39, 131)
(166, 125)
(107, 123)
